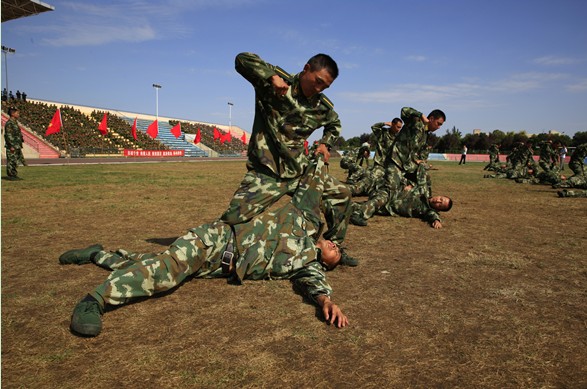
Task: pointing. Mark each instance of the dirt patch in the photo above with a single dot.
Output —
(496, 298)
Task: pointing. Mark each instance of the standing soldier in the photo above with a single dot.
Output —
(548, 156)
(385, 133)
(13, 143)
(288, 109)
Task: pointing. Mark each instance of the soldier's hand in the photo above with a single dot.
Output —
(279, 85)
(334, 315)
(425, 119)
(436, 224)
(323, 149)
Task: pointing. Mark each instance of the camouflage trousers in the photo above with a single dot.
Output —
(12, 160)
(577, 167)
(140, 275)
(572, 193)
(259, 191)
(380, 196)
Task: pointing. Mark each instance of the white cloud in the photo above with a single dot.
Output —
(578, 86)
(472, 93)
(416, 58)
(78, 35)
(551, 60)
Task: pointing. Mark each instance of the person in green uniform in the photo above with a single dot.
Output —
(288, 109)
(13, 143)
(279, 244)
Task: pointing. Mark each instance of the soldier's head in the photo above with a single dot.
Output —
(396, 125)
(329, 253)
(13, 112)
(440, 203)
(318, 74)
(436, 120)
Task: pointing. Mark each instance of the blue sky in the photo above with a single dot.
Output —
(503, 64)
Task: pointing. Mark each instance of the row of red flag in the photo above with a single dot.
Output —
(153, 129)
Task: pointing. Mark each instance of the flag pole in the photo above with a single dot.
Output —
(67, 154)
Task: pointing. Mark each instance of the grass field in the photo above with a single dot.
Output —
(495, 299)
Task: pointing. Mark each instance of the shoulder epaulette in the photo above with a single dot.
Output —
(327, 101)
(283, 74)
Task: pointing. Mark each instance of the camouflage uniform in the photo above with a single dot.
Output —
(406, 149)
(278, 244)
(276, 158)
(363, 155)
(572, 193)
(383, 142)
(576, 163)
(548, 157)
(355, 172)
(13, 140)
(493, 158)
(413, 202)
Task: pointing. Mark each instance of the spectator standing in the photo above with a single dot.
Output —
(563, 154)
(463, 155)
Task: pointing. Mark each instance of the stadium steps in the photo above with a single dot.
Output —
(38, 145)
(168, 139)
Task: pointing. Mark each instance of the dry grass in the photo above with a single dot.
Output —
(497, 298)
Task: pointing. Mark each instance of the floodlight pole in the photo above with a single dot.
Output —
(157, 87)
(7, 50)
(230, 116)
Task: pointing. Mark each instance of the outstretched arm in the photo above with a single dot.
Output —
(332, 313)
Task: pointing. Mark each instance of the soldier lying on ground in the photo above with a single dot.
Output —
(410, 200)
(280, 244)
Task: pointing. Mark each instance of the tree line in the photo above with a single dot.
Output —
(453, 140)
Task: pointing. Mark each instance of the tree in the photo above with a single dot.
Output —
(579, 138)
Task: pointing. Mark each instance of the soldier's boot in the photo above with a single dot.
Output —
(565, 193)
(358, 220)
(86, 319)
(347, 260)
(80, 256)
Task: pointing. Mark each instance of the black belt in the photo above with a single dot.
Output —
(228, 255)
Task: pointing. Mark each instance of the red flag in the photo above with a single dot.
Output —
(216, 134)
(176, 130)
(133, 130)
(244, 138)
(198, 137)
(229, 136)
(153, 129)
(223, 138)
(55, 124)
(103, 127)
(306, 151)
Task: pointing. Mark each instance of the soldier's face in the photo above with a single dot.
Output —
(330, 252)
(435, 124)
(314, 82)
(440, 203)
(396, 127)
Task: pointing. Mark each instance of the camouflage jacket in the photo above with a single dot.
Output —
(547, 153)
(12, 135)
(409, 142)
(383, 141)
(414, 202)
(280, 244)
(283, 123)
(579, 154)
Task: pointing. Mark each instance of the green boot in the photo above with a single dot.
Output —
(347, 260)
(86, 319)
(358, 220)
(80, 256)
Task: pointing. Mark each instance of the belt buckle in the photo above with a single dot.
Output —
(227, 257)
